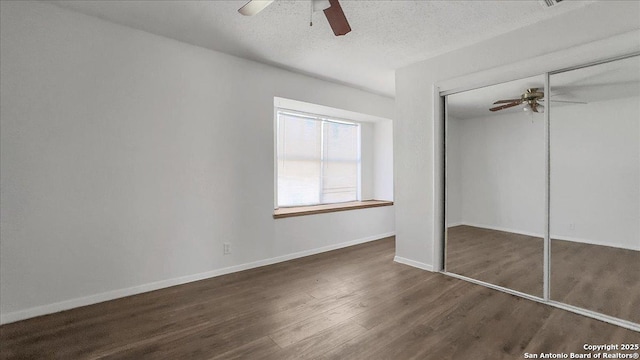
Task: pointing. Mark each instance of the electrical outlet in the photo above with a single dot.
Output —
(226, 248)
(572, 226)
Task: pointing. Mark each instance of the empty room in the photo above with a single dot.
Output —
(311, 179)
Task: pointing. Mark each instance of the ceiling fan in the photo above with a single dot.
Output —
(331, 8)
(531, 99)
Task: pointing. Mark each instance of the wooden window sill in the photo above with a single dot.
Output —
(327, 208)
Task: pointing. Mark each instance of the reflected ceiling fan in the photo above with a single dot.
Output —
(531, 100)
(331, 8)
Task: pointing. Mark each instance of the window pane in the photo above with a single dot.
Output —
(318, 160)
(298, 160)
(298, 183)
(340, 166)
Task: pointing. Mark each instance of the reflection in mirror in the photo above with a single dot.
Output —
(495, 184)
(595, 188)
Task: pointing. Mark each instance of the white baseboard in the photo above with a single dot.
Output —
(594, 242)
(457, 223)
(499, 228)
(553, 236)
(115, 294)
(413, 263)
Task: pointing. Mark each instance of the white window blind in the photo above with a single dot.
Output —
(318, 160)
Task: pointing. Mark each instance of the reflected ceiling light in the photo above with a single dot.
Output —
(533, 107)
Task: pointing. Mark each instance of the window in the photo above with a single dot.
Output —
(318, 159)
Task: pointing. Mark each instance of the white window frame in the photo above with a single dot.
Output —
(323, 118)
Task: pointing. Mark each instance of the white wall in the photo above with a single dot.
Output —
(367, 148)
(596, 31)
(377, 160)
(497, 172)
(595, 173)
(500, 177)
(383, 161)
(127, 159)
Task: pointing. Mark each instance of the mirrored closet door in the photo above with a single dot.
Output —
(495, 185)
(595, 188)
(542, 188)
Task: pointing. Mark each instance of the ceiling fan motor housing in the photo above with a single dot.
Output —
(532, 95)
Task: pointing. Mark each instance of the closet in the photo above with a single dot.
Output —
(542, 188)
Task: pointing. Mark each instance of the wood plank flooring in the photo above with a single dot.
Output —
(599, 278)
(352, 303)
(511, 260)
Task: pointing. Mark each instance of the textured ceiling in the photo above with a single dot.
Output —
(386, 34)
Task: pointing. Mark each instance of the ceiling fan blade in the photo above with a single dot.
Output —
(254, 6)
(506, 106)
(506, 101)
(336, 18)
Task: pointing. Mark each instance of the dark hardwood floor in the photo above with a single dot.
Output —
(599, 278)
(511, 260)
(353, 303)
